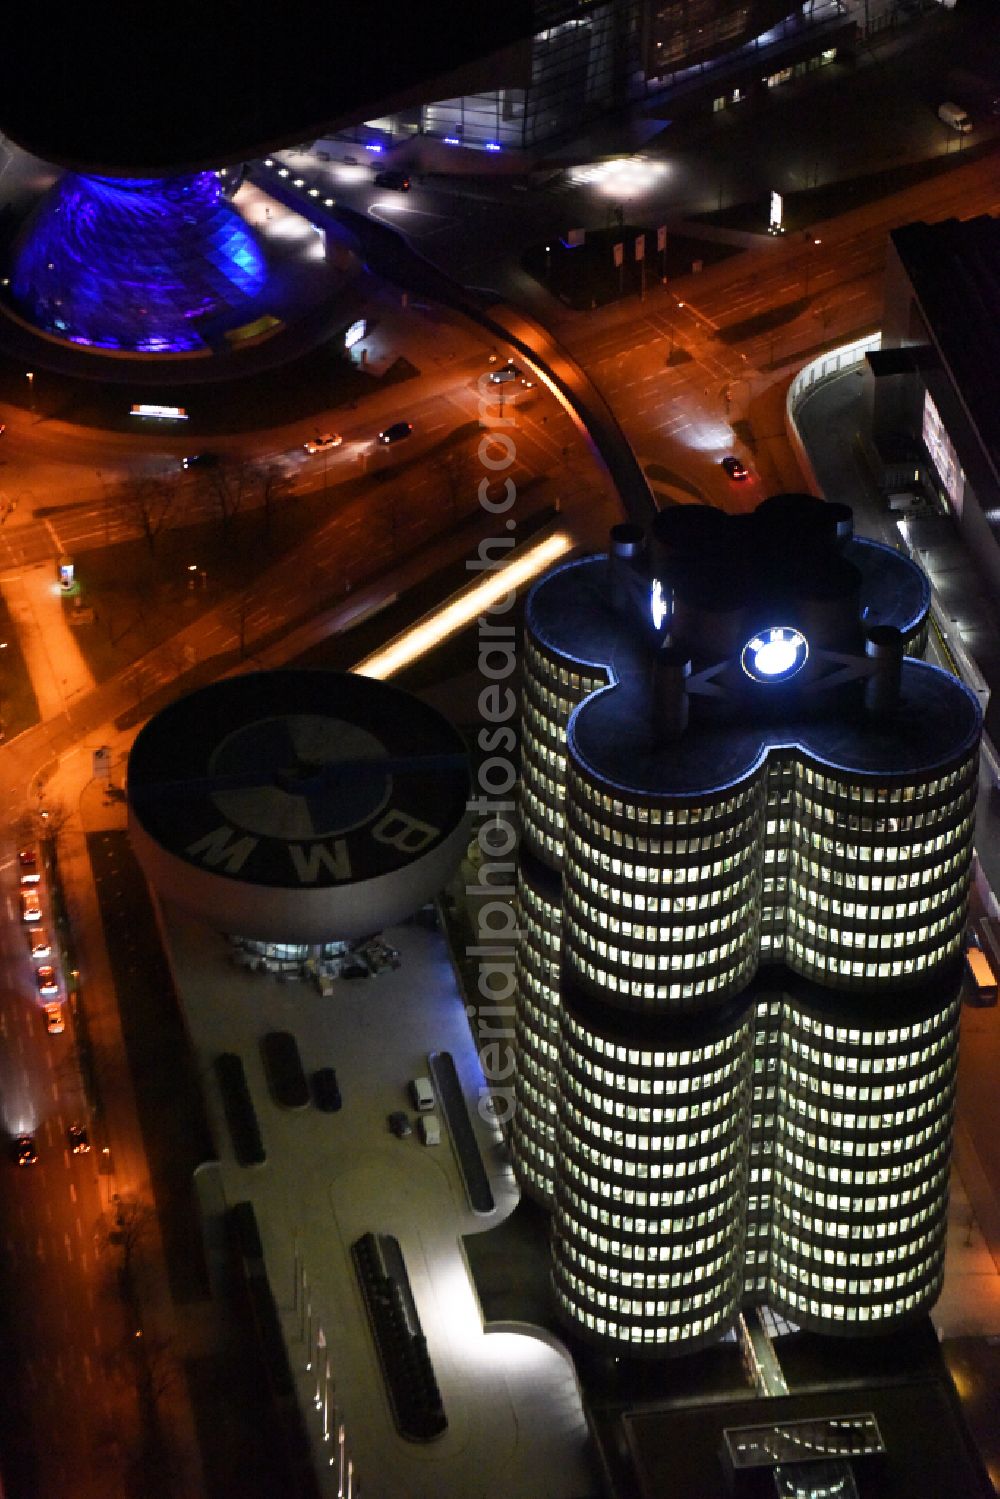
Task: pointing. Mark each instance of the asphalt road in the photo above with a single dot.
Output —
(60, 1416)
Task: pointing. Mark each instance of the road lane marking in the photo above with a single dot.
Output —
(72, 1198)
(55, 1093)
(88, 1371)
(69, 1247)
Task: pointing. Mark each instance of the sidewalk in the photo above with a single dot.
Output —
(58, 672)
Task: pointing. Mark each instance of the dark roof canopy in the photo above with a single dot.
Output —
(954, 269)
(154, 89)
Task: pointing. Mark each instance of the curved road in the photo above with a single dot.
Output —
(391, 256)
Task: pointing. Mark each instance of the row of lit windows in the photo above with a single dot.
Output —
(869, 940)
(614, 1051)
(845, 1145)
(607, 1272)
(887, 1093)
(714, 1215)
(888, 853)
(651, 1334)
(884, 795)
(847, 1177)
(851, 1061)
(613, 898)
(543, 934)
(654, 1171)
(824, 962)
(648, 1310)
(700, 931)
(577, 681)
(837, 1119)
(841, 1285)
(658, 1086)
(945, 813)
(869, 1259)
(851, 879)
(816, 900)
(554, 705)
(588, 795)
(665, 960)
(661, 1253)
(658, 993)
(891, 1037)
(664, 874)
(719, 1187)
(854, 1312)
(665, 848)
(593, 1106)
(865, 1203)
(833, 1228)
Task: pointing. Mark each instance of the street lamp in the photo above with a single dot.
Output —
(29, 375)
(808, 267)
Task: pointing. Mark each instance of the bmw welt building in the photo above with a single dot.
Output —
(747, 822)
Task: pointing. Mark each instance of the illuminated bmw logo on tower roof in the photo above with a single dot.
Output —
(775, 654)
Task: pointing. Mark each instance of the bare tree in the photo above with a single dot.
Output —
(454, 471)
(49, 819)
(274, 485)
(240, 613)
(128, 1227)
(229, 486)
(146, 501)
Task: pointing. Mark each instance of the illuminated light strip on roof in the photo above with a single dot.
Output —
(460, 611)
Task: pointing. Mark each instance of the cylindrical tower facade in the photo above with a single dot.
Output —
(557, 676)
(650, 1175)
(531, 1135)
(554, 685)
(661, 898)
(861, 1165)
(879, 874)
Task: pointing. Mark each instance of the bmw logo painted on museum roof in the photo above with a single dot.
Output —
(298, 805)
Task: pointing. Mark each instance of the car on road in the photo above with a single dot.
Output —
(28, 866)
(954, 115)
(201, 460)
(55, 1024)
(38, 939)
(507, 374)
(399, 1124)
(45, 978)
(735, 469)
(31, 907)
(396, 433)
(323, 442)
(398, 181)
(24, 1150)
(78, 1139)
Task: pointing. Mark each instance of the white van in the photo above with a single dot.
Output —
(429, 1126)
(955, 116)
(422, 1093)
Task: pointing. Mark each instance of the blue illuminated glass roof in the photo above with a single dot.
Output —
(135, 264)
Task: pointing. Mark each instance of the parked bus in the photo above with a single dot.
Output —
(982, 979)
